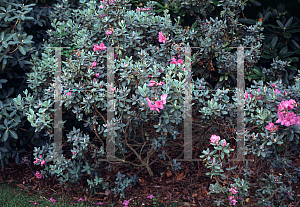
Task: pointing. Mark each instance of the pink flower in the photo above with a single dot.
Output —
(233, 202)
(96, 48)
(276, 91)
(180, 61)
(112, 89)
(158, 104)
(43, 162)
(224, 143)
(125, 203)
(151, 196)
(138, 9)
(80, 199)
(94, 64)
(285, 93)
(152, 83)
(159, 71)
(69, 93)
(214, 139)
(101, 7)
(102, 47)
(234, 191)
(52, 200)
(38, 175)
(163, 98)
(97, 75)
(35, 203)
(230, 197)
(157, 48)
(115, 56)
(152, 107)
(108, 32)
(149, 76)
(74, 153)
(161, 38)
(274, 85)
(102, 15)
(41, 156)
(100, 203)
(246, 95)
(34, 162)
(289, 119)
(270, 127)
(173, 61)
(161, 83)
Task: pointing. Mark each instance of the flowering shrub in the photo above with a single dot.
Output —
(149, 93)
(273, 190)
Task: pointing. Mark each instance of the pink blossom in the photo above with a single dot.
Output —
(152, 83)
(233, 190)
(34, 162)
(80, 199)
(35, 203)
(38, 175)
(112, 89)
(276, 91)
(96, 48)
(274, 85)
(94, 64)
(108, 32)
(102, 46)
(74, 153)
(102, 16)
(161, 83)
(125, 203)
(41, 156)
(180, 61)
(214, 139)
(231, 197)
(97, 75)
(149, 76)
(138, 9)
(233, 202)
(289, 119)
(69, 93)
(100, 203)
(246, 95)
(52, 200)
(150, 196)
(163, 98)
(101, 7)
(43, 162)
(158, 105)
(270, 127)
(161, 38)
(173, 61)
(156, 48)
(224, 143)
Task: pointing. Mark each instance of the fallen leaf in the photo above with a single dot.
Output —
(169, 174)
(179, 177)
(247, 200)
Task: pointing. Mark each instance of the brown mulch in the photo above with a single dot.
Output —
(188, 186)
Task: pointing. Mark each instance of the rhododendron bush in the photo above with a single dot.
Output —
(150, 62)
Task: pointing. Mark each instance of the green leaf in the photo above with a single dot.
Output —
(287, 35)
(296, 44)
(288, 23)
(13, 134)
(159, 5)
(257, 71)
(159, 10)
(247, 21)
(5, 136)
(22, 50)
(274, 41)
(280, 24)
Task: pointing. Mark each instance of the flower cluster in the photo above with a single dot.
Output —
(38, 175)
(152, 83)
(215, 139)
(139, 9)
(285, 118)
(39, 160)
(179, 61)
(158, 104)
(232, 198)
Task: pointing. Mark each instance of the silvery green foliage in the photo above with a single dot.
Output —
(265, 145)
(135, 34)
(14, 39)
